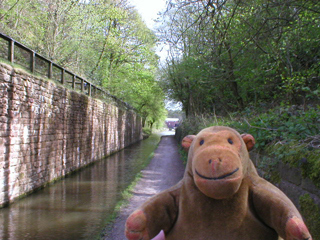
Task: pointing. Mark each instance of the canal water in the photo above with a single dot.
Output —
(78, 206)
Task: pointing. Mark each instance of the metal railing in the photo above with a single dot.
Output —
(19, 54)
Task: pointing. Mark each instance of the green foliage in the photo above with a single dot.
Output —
(311, 212)
(147, 131)
(281, 124)
(290, 135)
(230, 55)
(287, 134)
(183, 156)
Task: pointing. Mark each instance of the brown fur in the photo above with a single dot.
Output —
(221, 197)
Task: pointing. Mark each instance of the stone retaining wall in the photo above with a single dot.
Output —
(289, 180)
(301, 190)
(48, 131)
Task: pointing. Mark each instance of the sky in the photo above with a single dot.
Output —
(149, 9)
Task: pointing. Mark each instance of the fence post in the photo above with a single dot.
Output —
(62, 75)
(89, 90)
(50, 70)
(82, 85)
(74, 81)
(11, 51)
(32, 61)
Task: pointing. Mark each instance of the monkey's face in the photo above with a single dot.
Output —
(216, 164)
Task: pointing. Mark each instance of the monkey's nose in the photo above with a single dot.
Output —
(215, 164)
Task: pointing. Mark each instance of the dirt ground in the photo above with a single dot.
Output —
(164, 170)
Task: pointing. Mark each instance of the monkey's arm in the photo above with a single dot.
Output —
(158, 213)
(277, 211)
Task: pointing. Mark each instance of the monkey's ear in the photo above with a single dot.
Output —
(186, 142)
(248, 140)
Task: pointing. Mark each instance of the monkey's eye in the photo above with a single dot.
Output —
(230, 141)
(201, 142)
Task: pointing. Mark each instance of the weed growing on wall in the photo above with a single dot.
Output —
(310, 209)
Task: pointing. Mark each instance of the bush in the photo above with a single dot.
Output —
(287, 133)
(146, 131)
(290, 135)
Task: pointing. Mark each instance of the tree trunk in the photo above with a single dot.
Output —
(232, 78)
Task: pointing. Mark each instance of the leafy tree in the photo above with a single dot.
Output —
(249, 52)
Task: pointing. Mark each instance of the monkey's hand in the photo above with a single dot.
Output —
(297, 230)
(136, 226)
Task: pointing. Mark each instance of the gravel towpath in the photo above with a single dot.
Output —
(165, 170)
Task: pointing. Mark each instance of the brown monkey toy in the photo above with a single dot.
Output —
(221, 197)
